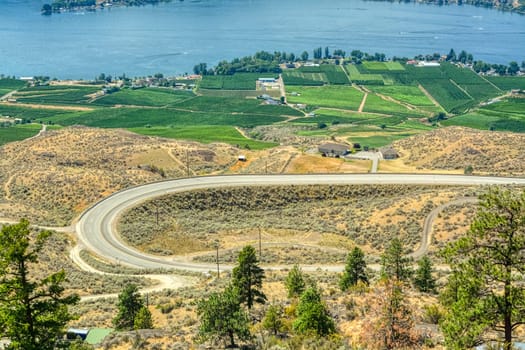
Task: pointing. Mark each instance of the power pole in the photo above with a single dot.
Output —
(217, 258)
(187, 163)
(260, 245)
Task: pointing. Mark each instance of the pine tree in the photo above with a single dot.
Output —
(129, 304)
(33, 313)
(222, 317)
(247, 277)
(423, 279)
(294, 283)
(391, 325)
(393, 262)
(143, 319)
(272, 320)
(312, 315)
(485, 292)
(355, 269)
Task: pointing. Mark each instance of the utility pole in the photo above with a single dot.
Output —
(217, 258)
(260, 245)
(187, 163)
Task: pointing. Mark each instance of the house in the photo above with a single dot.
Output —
(388, 153)
(267, 80)
(333, 150)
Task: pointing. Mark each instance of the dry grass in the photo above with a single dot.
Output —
(310, 163)
(455, 148)
(53, 178)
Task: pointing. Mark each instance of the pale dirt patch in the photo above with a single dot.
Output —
(307, 163)
(40, 106)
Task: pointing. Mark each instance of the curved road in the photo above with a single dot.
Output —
(96, 227)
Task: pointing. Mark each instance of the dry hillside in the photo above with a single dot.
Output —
(455, 148)
(52, 178)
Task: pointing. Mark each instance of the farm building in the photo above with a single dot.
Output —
(388, 153)
(267, 80)
(333, 149)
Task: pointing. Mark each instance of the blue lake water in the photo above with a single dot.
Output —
(171, 38)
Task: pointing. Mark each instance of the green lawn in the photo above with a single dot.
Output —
(18, 132)
(154, 97)
(205, 134)
(380, 140)
(344, 97)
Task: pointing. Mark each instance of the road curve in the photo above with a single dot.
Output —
(96, 227)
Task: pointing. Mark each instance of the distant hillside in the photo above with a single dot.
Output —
(508, 5)
(487, 152)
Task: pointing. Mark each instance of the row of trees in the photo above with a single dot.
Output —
(482, 301)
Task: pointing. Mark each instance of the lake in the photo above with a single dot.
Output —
(171, 38)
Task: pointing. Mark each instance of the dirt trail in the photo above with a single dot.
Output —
(363, 102)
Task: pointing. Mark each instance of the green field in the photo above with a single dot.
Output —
(363, 79)
(28, 112)
(155, 97)
(60, 95)
(205, 134)
(383, 66)
(344, 97)
(376, 104)
(404, 93)
(18, 132)
(506, 115)
(329, 116)
(301, 78)
(238, 81)
(508, 83)
(335, 74)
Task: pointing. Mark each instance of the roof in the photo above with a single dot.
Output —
(335, 147)
(97, 335)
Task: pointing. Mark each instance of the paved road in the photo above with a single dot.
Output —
(96, 227)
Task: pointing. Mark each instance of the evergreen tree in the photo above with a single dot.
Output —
(312, 315)
(294, 283)
(423, 279)
(33, 313)
(304, 56)
(247, 277)
(391, 325)
(222, 317)
(129, 304)
(393, 262)
(355, 269)
(486, 292)
(143, 319)
(272, 320)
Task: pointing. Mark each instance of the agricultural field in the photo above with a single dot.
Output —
(508, 83)
(343, 97)
(238, 81)
(57, 94)
(405, 93)
(335, 74)
(505, 115)
(377, 104)
(383, 66)
(302, 78)
(363, 78)
(18, 132)
(151, 97)
(8, 85)
(29, 113)
(335, 116)
(205, 134)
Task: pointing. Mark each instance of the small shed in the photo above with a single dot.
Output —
(73, 333)
(388, 153)
(333, 149)
(241, 158)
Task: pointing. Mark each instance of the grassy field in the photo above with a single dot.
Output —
(362, 78)
(332, 116)
(205, 134)
(344, 97)
(29, 112)
(508, 83)
(404, 93)
(61, 95)
(18, 132)
(377, 104)
(238, 81)
(301, 78)
(506, 115)
(153, 97)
